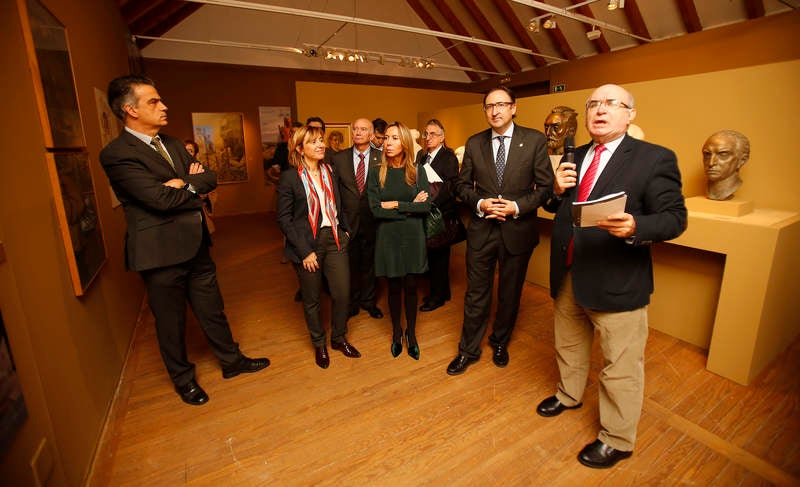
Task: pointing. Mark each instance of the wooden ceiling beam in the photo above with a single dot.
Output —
(427, 18)
(635, 20)
(689, 14)
(162, 28)
(154, 20)
(519, 30)
(477, 15)
(459, 29)
(133, 11)
(601, 44)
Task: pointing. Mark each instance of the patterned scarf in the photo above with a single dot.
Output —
(312, 198)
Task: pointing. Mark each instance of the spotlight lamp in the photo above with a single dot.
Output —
(533, 25)
(615, 4)
(593, 34)
(550, 23)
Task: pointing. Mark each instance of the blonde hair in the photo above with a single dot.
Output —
(407, 143)
(301, 137)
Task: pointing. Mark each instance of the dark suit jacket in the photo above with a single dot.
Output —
(527, 179)
(446, 166)
(293, 216)
(165, 225)
(608, 273)
(355, 205)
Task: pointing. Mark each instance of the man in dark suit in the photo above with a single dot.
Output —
(352, 167)
(506, 175)
(167, 240)
(601, 277)
(444, 163)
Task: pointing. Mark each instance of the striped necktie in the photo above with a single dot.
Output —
(156, 142)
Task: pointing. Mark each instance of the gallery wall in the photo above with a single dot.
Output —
(69, 351)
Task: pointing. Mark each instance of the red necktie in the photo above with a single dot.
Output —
(360, 173)
(587, 181)
(591, 174)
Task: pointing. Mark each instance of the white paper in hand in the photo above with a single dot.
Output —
(588, 213)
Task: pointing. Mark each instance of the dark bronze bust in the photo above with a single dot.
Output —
(561, 122)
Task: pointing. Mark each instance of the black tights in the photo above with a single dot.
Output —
(396, 287)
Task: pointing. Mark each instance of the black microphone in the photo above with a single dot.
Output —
(569, 156)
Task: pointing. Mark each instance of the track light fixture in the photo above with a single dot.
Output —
(593, 34)
(615, 4)
(550, 23)
(533, 25)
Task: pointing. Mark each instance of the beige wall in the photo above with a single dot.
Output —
(69, 351)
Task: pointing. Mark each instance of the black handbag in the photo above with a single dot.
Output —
(434, 222)
(454, 232)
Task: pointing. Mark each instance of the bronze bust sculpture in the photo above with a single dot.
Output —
(724, 153)
(561, 122)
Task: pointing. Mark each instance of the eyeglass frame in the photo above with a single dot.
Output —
(425, 135)
(609, 103)
(502, 105)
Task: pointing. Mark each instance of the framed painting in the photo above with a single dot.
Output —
(338, 136)
(13, 412)
(220, 137)
(56, 96)
(76, 208)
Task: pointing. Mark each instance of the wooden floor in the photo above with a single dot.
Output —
(380, 420)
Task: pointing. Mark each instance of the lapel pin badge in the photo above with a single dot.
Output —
(521, 144)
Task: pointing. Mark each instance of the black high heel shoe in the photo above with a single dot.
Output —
(413, 350)
(397, 346)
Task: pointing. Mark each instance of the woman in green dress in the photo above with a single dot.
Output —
(398, 198)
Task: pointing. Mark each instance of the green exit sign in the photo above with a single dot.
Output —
(559, 88)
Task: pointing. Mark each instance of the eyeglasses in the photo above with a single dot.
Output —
(501, 105)
(430, 134)
(609, 104)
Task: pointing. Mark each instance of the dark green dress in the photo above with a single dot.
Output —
(400, 240)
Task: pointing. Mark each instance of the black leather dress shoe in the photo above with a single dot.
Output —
(431, 305)
(374, 311)
(321, 357)
(346, 348)
(192, 393)
(245, 365)
(553, 407)
(353, 311)
(459, 365)
(500, 355)
(600, 455)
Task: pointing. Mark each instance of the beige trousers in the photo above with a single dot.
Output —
(623, 336)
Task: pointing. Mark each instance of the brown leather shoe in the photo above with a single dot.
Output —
(346, 348)
(321, 356)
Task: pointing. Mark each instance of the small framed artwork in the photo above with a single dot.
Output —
(220, 137)
(338, 136)
(55, 90)
(76, 207)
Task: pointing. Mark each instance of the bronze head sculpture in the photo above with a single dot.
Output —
(724, 153)
(560, 123)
